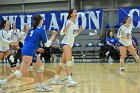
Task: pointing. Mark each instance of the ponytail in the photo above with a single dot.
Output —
(35, 25)
(68, 17)
(69, 13)
(36, 21)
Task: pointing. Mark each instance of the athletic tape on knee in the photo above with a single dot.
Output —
(69, 63)
(18, 74)
(61, 64)
(41, 68)
(137, 58)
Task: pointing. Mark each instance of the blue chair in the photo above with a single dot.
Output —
(77, 51)
(89, 51)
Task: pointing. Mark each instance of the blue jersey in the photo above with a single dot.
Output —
(32, 41)
(111, 40)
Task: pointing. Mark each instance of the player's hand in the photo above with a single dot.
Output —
(128, 37)
(54, 33)
(81, 28)
(40, 50)
(14, 43)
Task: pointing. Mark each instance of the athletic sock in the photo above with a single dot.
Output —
(69, 78)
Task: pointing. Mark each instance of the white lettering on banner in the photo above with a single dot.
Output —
(29, 19)
(94, 19)
(53, 23)
(5, 17)
(22, 21)
(83, 17)
(89, 19)
(131, 14)
(64, 15)
(11, 19)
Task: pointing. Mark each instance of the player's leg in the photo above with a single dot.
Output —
(18, 73)
(1, 56)
(123, 55)
(11, 60)
(56, 80)
(61, 64)
(18, 55)
(132, 50)
(40, 69)
(68, 55)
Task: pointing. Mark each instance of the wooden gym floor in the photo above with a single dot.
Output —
(92, 78)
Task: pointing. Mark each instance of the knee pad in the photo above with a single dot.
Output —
(10, 58)
(13, 65)
(18, 74)
(61, 64)
(69, 63)
(11, 61)
(41, 68)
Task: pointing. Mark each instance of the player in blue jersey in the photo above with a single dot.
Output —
(36, 35)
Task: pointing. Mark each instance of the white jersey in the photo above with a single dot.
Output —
(123, 30)
(70, 34)
(15, 35)
(22, 36)
(4, 40)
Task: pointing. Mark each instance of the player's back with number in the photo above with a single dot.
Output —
(33, 39)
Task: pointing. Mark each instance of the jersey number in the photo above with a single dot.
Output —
(74, 31)
(31, 33)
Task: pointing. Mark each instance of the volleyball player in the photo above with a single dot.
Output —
(125, 41)
(70, 30)
(21, 41)
(31, 44)
(4, 44)
(15, 34)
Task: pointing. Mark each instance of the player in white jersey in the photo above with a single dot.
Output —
(15, 34)
(21, 41)
(70, 30)
(24, 33)
(125, 41)
(4, 44)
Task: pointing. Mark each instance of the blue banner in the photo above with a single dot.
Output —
(90, 19)
(133, 12)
